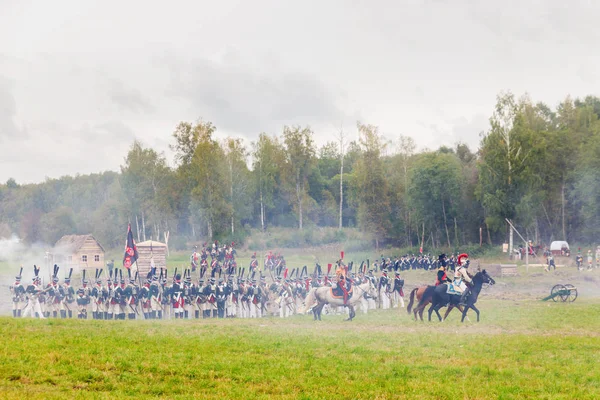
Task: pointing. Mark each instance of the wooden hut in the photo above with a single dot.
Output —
(79, 252)
(148, 250)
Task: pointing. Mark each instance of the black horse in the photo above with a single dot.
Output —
(442, 299)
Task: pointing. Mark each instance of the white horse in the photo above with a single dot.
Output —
(318, 297)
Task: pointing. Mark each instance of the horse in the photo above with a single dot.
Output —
(441, 298)
(425, 293)
(318, 297)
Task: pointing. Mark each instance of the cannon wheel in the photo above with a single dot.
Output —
(572, 292)
(556, 293)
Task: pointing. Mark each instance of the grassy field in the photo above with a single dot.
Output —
(522, 348)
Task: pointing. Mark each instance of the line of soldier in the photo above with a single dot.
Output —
(590, 259)
(413, 262)
(236, 295)
(221, 257)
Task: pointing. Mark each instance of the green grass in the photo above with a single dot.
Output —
(520, 349)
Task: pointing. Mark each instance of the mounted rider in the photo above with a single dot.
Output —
(462, 277)
(442, 276)
(342, 280)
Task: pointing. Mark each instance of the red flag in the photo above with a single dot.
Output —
(342, 254)
(131, 253)
(328, 268)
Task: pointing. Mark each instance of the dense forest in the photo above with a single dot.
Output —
(536, 166)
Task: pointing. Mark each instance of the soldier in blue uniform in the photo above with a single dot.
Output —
(177, 299)
(210, 291)
(144, 297)
(83, 299)
(221, 293)
(17, 291)
(120, 299)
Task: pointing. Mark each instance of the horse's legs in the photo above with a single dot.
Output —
(450, 307)
(320, 309)
(418, 311)
(476, 310)
(351, 313)
(464, 314)
(430, 311)
(436, 309)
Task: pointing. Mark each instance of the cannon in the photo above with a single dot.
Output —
(562, 293)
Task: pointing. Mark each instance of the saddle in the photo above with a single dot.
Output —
(452, 290)
(338, 292)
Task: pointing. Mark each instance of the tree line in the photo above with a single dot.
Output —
(536, 166)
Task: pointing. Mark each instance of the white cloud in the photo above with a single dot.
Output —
(82, 79)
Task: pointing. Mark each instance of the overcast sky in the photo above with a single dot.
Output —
(79, 80)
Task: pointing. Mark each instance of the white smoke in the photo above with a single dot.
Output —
(15, 254)
(9, 248)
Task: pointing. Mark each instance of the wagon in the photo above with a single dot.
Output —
(560, 248)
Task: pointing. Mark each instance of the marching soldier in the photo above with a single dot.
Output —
(253, 263)
(17, 292)
(144, 298)
(83, 298)
(187, 296)
(210, 291)
(383, 287)
(194, 259)
(550, 262)
(398, 290)
(221, 294)
(201, 303)
(69, 296)
(112, 300)
(177, 297)
(121, 298)
(154, 297)
(285, 300)
(232, 298)
(579, 261)
(252, 300)
(165, 296)
(96, 298)
(34, 291)
(55, 298)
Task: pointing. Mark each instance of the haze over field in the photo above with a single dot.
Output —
(80, 80)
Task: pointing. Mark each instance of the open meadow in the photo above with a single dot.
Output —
(522, 348)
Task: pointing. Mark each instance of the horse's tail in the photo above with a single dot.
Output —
(427, 296)
(310, 300)
(412, 299)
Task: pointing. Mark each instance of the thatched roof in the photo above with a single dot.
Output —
(72, 243)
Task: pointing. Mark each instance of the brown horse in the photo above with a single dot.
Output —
(423, 295)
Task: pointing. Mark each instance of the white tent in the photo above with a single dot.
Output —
(559, 245)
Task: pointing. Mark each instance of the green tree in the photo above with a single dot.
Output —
(371, 184)
(268, 158)
(142, 178)
(300, 153)
(435, 191)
